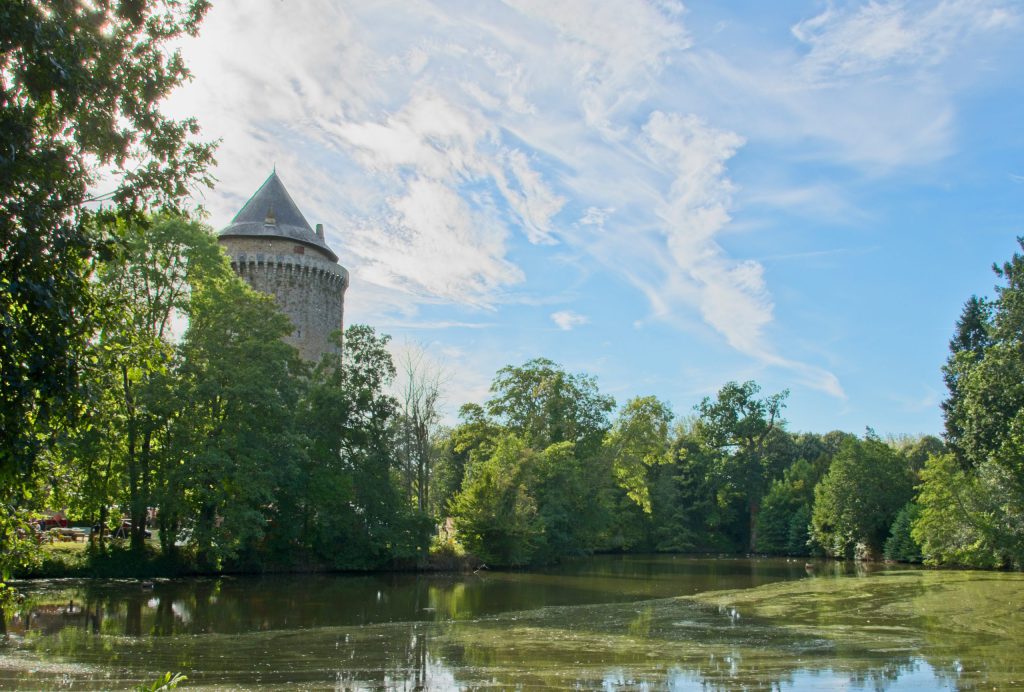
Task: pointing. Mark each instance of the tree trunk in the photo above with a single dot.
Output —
(166, 533)
(103, 526)
(755, 508)
(131, 460)
(140, 503)
(204, 537)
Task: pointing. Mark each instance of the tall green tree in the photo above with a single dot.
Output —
(81, 84)
(496, 513)
(236, 437)
(547, 426)
(985, 432)
(691, 509)
(637, 441)
(783, 525)
(856, 502)
(960, 513)
(472, 441)
(785, 517)
(901, 546)
(971, 337)
(748, 433)
(145, 290)
(989, 388)
(547, 405)
(80, 88)
(114, 454)
(446, 478)
(350, 503)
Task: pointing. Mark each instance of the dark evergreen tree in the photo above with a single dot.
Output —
(970, 339)
(789, 497)
(975, 514)
(901, 546)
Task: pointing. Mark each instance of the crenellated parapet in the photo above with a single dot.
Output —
(309, 266)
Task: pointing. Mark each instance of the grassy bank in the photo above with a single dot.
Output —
(81, 559)
(74, 559)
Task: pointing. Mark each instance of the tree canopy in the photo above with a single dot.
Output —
(743, 429)
(547, 405)
(855, 504)
(973, 511)
(81, 85)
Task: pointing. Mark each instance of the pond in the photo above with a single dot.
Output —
(610, 622)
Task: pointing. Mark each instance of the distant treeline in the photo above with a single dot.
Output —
(192, 412)
(545, 470)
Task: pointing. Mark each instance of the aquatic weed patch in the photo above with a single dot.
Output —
(965, 624)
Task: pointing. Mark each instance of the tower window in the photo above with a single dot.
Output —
(299, 250)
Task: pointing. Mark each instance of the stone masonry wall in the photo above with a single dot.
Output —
(308, 287)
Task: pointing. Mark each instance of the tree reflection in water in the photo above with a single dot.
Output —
(608, 627)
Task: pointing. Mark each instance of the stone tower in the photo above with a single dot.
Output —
(272, 246)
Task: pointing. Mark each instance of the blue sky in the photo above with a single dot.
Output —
(665, 195)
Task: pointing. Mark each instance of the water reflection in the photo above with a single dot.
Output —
(232, 605)
(603, 622)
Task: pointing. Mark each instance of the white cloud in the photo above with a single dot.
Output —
(529, 197)
(567, 320)
(876, 36)
(427, 124)
(595, 216)
(612, 52)
(878, 80)
(731, 295)
(810, 376)
(435, 324)
(868, 85)
(819, 200)
(434, 243)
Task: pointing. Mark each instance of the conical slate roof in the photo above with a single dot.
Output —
(271, 212)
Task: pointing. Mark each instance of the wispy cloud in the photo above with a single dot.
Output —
(567, 319)
(731, 295)
(870, 85)
(816, 254)
(436, 324)
(874, 37)
(929, 398)
(823, 201)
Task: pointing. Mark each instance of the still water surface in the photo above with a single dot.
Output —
(613, 622)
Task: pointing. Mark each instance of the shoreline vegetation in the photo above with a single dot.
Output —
(76, 561)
